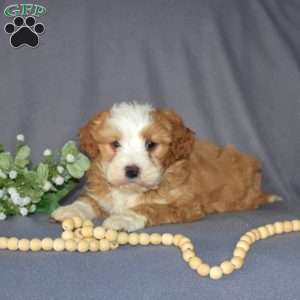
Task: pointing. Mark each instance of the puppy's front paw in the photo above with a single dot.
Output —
(70, 211)
(125, 222)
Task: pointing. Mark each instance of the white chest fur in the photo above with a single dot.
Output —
(122, 201)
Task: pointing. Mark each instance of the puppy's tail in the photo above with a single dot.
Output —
(274, 198)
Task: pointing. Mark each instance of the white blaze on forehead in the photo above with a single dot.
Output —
(130, 116)
(130, 119)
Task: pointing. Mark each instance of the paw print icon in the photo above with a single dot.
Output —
(24, 31)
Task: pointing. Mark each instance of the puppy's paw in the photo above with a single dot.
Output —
(125, 222)
(75, 209)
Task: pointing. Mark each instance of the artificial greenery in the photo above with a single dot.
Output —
(26, 188)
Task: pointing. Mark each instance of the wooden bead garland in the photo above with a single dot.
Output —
(81, 235)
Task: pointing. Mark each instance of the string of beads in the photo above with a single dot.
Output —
(82, 236)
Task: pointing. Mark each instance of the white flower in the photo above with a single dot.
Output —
(70, 158)
(20, 137)
(60, 169)
(11, 190)
(13, 174)
(2, 216)
(47, 152)
(2, 175)
(1, 193)
(25, 200)
(23, 211)
(16, 199)
(59, 180)
(47, 186)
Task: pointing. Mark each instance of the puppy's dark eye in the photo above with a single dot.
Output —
(150, 145)
(115, 145)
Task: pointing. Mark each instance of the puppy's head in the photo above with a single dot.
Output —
(135, 143)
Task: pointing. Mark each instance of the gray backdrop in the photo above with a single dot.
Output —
(231, 68)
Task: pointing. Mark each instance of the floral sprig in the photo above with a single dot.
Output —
(26, 189)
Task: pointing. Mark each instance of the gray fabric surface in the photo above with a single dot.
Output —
(231, 68)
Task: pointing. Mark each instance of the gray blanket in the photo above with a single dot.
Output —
(230, 68)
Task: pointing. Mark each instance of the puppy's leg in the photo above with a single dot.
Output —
(84, 207)
(129, 221)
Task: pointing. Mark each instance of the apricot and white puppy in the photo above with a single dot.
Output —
(148, 169)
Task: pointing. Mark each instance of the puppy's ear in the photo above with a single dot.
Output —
(182, 137)
(88, 135)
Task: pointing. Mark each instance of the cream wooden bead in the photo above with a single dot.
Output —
(278, 227)
(94, 245)
(271, 229)
(77, 222)
(113, 245)
(187, 255)
(12, 244)
(87, 223)
(247, 239)
(256, 233)
(237, 262)
(104, 245)
(203, 270)
(47, 244)
(133, 239)
(83, 246)
(167, 239)
(215, 273)
(3, 242)
(78, 234)
(70, 245)
(67, 235)
(227, 267)
(122, 238)
(59, 244)
(263, 232)
(111, 235)
(99, 232)
(144, 239)
(239, 252)
(287, 226)
(155, 238)
(68, 224)
(184, 240)
(24, 244)
(244, 245)
(87, 231)
(35, 245)
(252, 236)
(296, 225)
(186, 246)
(195, 262)
(177, 239)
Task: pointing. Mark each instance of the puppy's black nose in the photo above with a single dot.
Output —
(132, 171)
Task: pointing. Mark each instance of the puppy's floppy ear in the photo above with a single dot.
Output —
(88, 135)
(182, 137)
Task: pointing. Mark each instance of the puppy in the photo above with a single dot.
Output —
(148, 168)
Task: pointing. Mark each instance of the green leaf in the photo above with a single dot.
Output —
(50, 200)
(23, 153)
(1, 148)
(83, 162)
(69, 148)
(42, 172)
(21, 163)
(6, 161)
(75, 170)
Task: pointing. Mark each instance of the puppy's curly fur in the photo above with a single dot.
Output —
(180, 178)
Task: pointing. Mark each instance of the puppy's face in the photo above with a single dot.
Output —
(134, 144)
